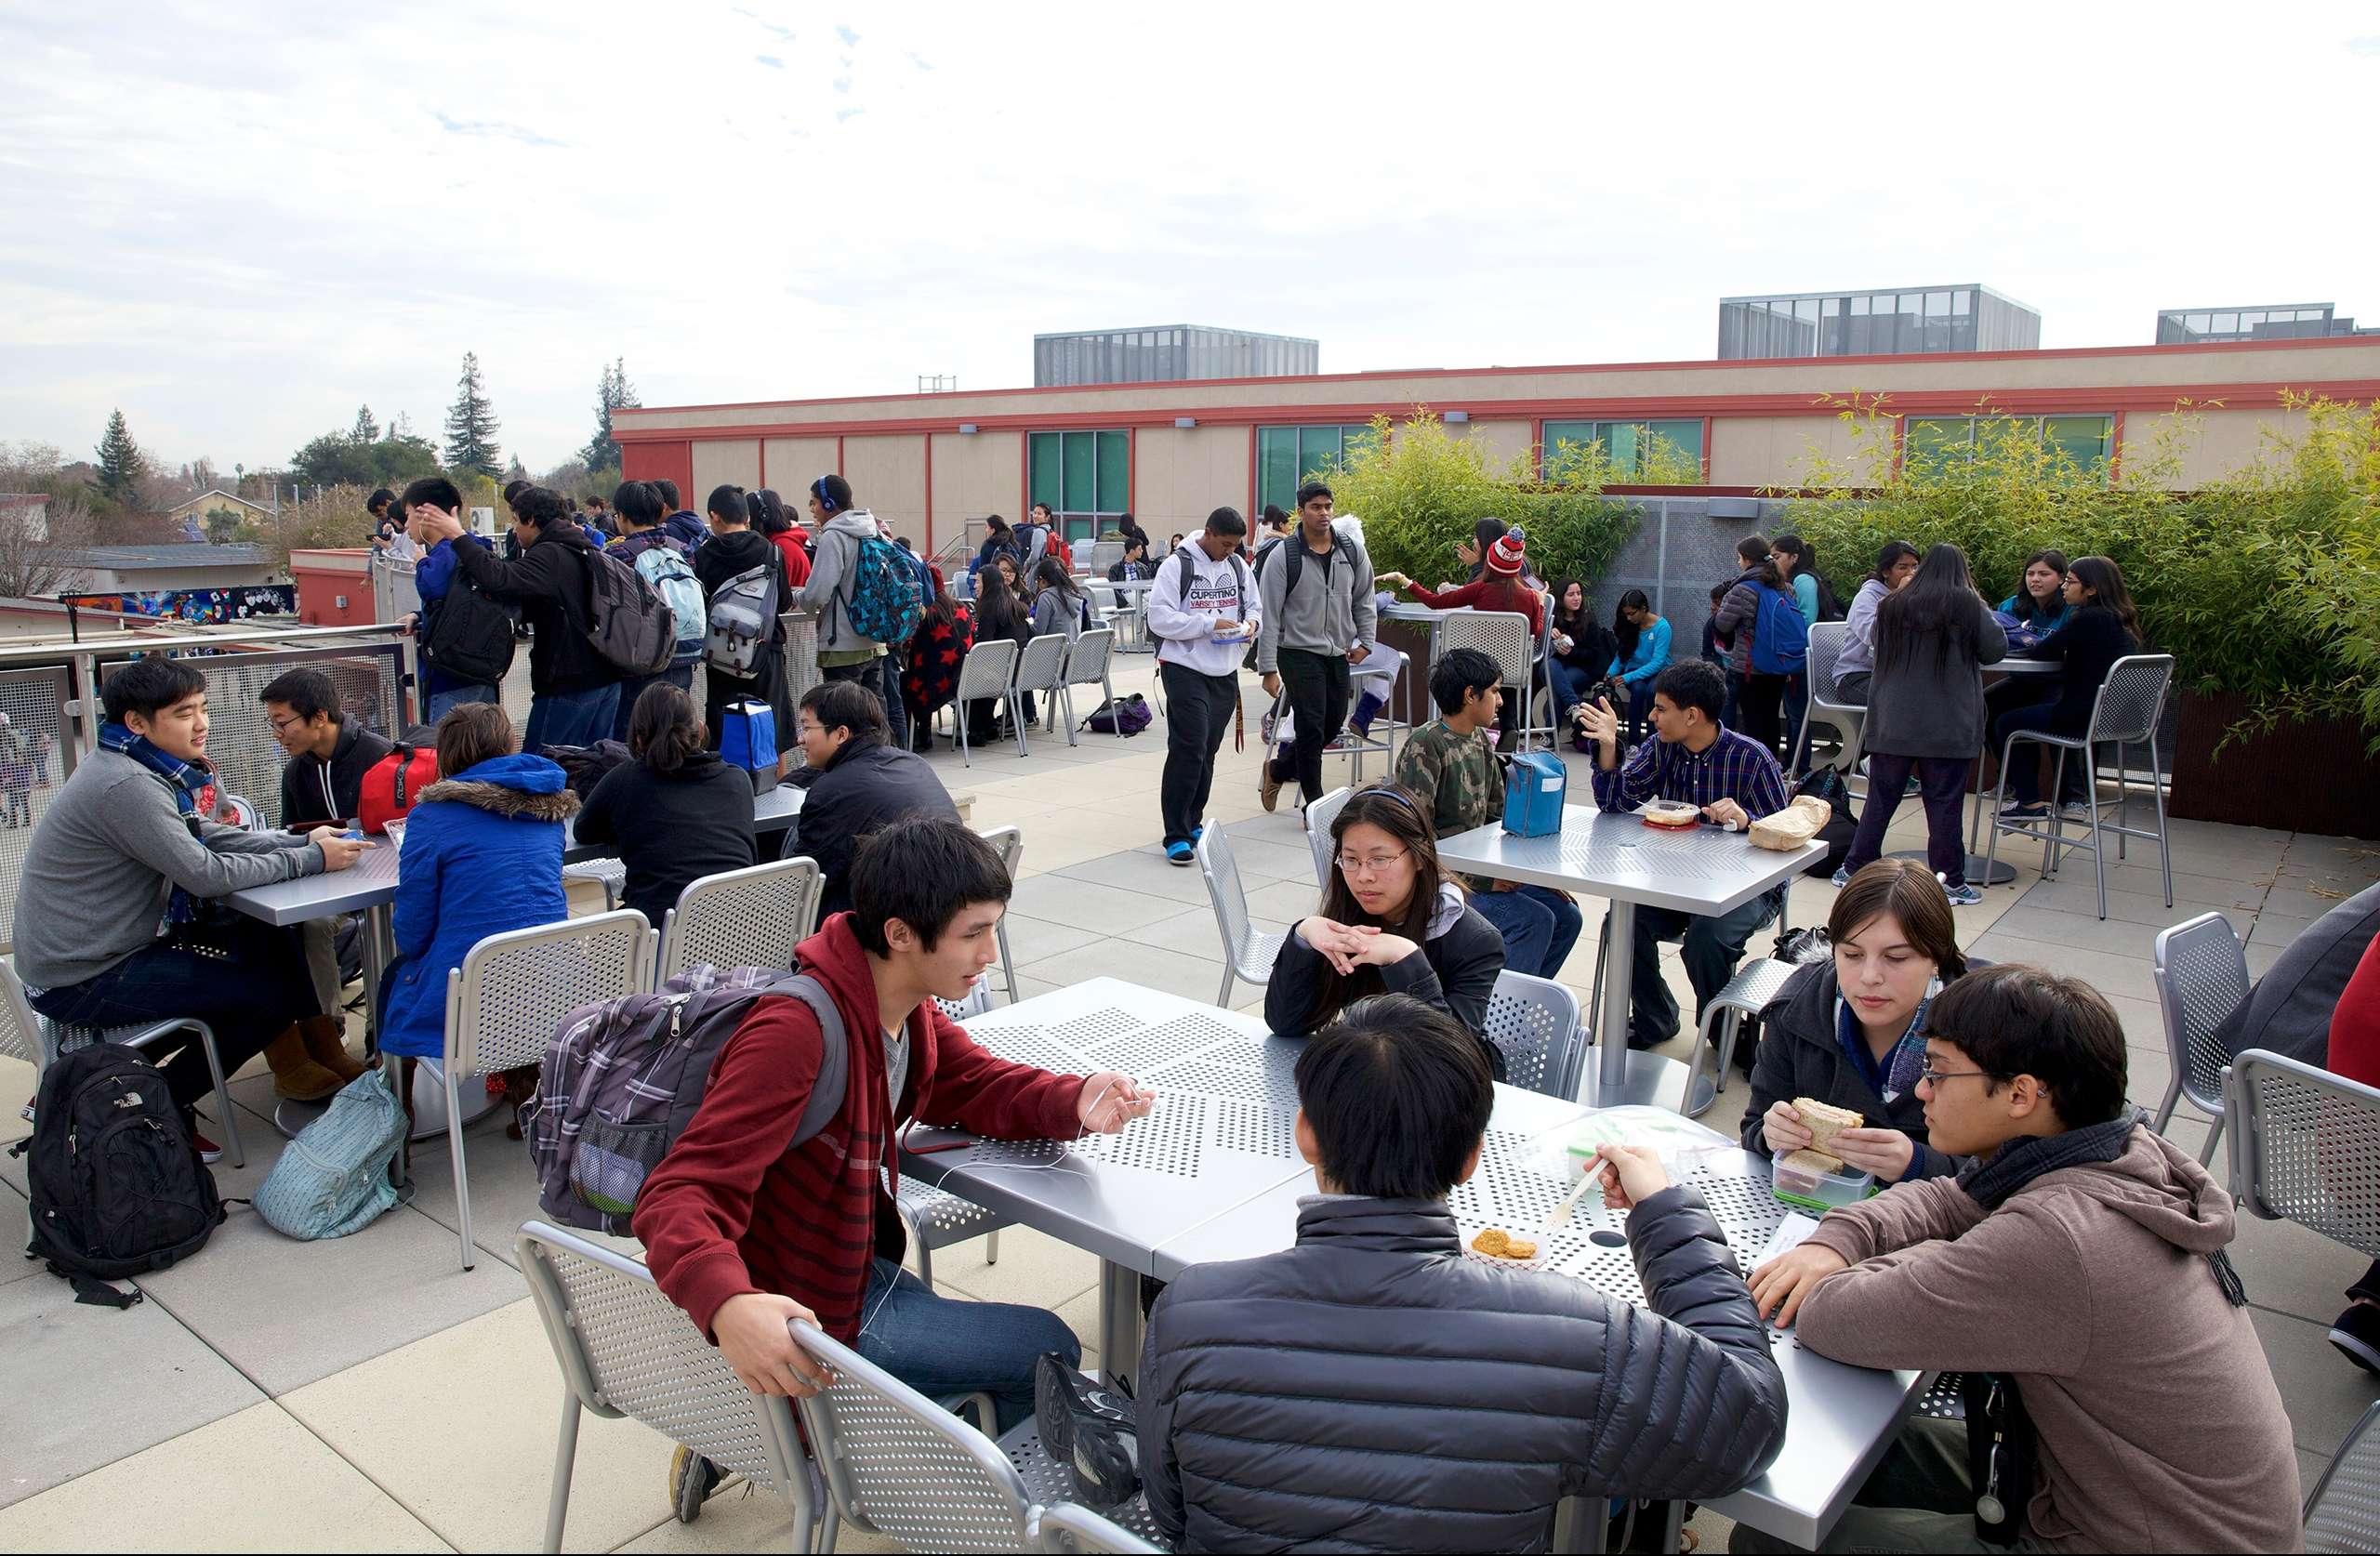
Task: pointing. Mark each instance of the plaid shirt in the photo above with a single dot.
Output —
(1733, 767)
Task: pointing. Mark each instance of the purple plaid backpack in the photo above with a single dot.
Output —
(623, 1078)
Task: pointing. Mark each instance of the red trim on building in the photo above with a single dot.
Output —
(926, 544)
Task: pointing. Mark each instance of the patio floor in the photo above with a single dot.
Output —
(365, 1395)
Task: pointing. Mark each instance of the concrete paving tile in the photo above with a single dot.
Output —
(1029, 940)
(1192, 932)
(2323, 1391)
(2261, 958)
(2114, 936)
(1081, 1316)
(1088, 906)
(1261, 859)
(16, 1225)
(2301, 903)
(2294, 1270)
(1033, 1267)
(1192, 976)
(742, 1519)
(103, 1384)
(2075, 894)
(2148, 1072)
(1286, 901)
(2276, 930)
(504, 1194)
(2144, 1020)
(1149, 874)
(2106, 971)
(460, 1427)
(254, 1480)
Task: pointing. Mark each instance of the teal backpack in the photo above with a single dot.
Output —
(884, 603)
(334, 1178)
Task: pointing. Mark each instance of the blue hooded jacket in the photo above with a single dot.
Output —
(483, 855)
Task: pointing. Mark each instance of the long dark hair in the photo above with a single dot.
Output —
(664, 731)
(1806, 560)
(771, 517)
(1623, 631)
(943, 609)
(1396, 812)
(1050, 574)
(1937, 609)
(2027, 603)
(1888, 557)
(1483, 533)
(998, 611)
(2105, 580)
(1568, 620)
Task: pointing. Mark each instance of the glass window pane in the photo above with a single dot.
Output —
(1276, 458)
(1621, 440)
(2084, 439)
(1684, 439)
(1569, 434)
(1933, 437)
(1081, 457)
(2227, 323)
(1115, 472)
(1317, 450)
(1045, 483)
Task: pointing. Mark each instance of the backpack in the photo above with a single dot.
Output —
(623, 1078)
(391, 784)
(884, 602)
(1131, 712)
(1298, 552)
(1780, 639)
(334, 1178)
(742, 618)
(117, 1188)
(469, 636)
(1029, 541)
(667, 570)
(631, 626)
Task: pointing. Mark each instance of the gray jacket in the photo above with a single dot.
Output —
(1800, 1056)
(1329, 611)
(1372, 1389)
(1918, 707)
(2288, 1012)
(833, 570)
(105, 859)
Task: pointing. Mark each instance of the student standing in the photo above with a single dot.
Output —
(640, 516)
(1895, 565)
(776, 526)
(434, 581)
(735, 550)
(1316, 619)
(996, 539)
(1640, 653)
(676, 812)
(1926, 713)
(2104, 628)
(1200, 611)
(1753, 618)
(684, 524)
(844, 652)
(1798, 560)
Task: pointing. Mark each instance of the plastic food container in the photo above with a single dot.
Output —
(396, 831)
(1674, 814)
(1819, 1190)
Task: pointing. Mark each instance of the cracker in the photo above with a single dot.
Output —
(1492, 1242)
(1519, 1249)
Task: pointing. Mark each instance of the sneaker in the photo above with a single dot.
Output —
(1180, 853)
(691, 1480)
(1198, 834)
(2034, 811)
(209, 1151)
(1264, 727)
(2076, 809)
(1268, 788)
(1841, 878)
(2356, 1334)
(1963, 896)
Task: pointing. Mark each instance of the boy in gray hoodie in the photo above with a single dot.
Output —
(844, 652)
(1200, 610)
(1318, 620)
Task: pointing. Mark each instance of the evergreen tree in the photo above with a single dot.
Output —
(118, 480)
(470, 425)
(367, 430)
(613, 391)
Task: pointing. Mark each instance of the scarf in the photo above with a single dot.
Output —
(1991, 1180)
(185, 781)
(1900, 1067)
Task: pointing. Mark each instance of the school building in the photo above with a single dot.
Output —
(1168, 453)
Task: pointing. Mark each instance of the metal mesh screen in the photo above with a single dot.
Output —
(2345, 1514)
(2315, 1152)
(36, 753)
(2206, 977)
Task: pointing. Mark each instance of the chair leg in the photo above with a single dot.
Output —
(230, 1119)
(992, 1246)
(2206, 1152)
(454, 1150)
(2157, 789)
(1016, 720)
(1223, 996)
(959, 722)
(1107, 688)
(565, 1457)
(2098, 839)
(1008, 963)
(1694, 1065)
(2164, 1115)
(1067, 695)
(2053, 825)
(1999, 794)
(1726, 1055)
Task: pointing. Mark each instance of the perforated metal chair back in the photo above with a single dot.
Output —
(1825, 652)
(21, 1029)
(1042, 666)
(986, 670)
(1319, 817)
(977, 1003)
(244, 814)
(2130, 698)
(748, 917)
(1502, 636)
(2343, 1514)
(1247, 952)
(627, 1350)
(2306, 1147)
(2202, 972)
(1087, 662)
(1070, 1528)
(1010, 841)
(1534, 1024)
(510, 993)
(899, 1465)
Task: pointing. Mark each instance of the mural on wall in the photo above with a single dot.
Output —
(199, 605)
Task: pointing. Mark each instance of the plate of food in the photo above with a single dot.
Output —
(1675, 814)
(1514, 1250)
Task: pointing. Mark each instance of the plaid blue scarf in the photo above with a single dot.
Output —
(183, 780)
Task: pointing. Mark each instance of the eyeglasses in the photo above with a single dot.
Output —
(1374, 865)
(280, 724)
(1936, 1077)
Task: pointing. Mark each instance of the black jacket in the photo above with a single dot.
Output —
(314, 791)
(740, 551)
(1800, 1056)
(725, 556)
(866, 784)
(672, 828)
(552, 583)
(1373, 1389)
(1456, 971)
(2088, 646)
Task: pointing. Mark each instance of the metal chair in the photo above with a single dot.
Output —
(748, 917)
(985, 672)
(1088, 663)
(244, 813)
(898, 1464)
(1041, 667)
(1747, 993)
(1534, 1024)
(1826, 706)
(2202, 977)
(2306, 1147)
(1248, 951)
(2125, 713)
(1319, 817)
(28, 1035)
(513, 991)
(1502, 636)
(1070, 1528)
(626, 1350)
(936, 1217)
(2343, 1514)
(608, 872)
(1010, 841)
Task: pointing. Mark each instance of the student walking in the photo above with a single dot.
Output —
(739, 563)
(844, 652)
(1202, 609)
(1317, 618)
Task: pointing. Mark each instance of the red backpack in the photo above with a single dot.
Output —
(392, 785)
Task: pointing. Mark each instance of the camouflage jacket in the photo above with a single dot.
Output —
(1458, 777)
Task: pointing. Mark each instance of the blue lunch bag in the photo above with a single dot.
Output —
(1535, 788)
(748, 739)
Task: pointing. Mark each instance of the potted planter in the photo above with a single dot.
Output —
(2303, 775)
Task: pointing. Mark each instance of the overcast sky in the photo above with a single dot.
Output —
(237, 227)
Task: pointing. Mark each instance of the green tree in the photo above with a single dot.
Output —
(612, 393)
(471, 425)
(367, 430)
(118, 480)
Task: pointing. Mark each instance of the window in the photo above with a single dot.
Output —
(2087, 441)
(1083, 475)
(1286, 455)
(1627, 444)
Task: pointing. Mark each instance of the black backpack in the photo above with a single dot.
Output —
(469, 636)
(117, 1188)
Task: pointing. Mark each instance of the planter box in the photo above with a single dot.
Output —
(2306, 775)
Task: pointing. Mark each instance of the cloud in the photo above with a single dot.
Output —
(843, 116)
(919, 60)
(771, 60)
(847, 36)
(2368, 47)
(492, 128)
(766, 25)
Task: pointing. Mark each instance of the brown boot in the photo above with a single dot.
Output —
(294, 1076)
(326, 1039)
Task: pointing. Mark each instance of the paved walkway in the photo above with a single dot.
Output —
(367, 1394)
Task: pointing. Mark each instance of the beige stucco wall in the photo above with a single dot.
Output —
(722, 461)
(1773, 450)
(1182, 474)
(2209, 442)
(888, 477)
(975, 474)
(1510, 440)
(794, 463)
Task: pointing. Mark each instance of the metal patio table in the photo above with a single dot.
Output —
(1132, 613)
(1702, 870)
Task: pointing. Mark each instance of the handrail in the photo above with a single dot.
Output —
(135, 642)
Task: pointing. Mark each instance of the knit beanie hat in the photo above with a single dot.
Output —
(1505, 556)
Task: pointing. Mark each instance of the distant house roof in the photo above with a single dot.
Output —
(227, 496)
(22, 499)
(136, 559)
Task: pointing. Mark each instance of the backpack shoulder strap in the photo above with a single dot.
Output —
(834, 1057)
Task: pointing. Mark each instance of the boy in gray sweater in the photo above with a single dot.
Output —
(109, 924)
(1319, 619)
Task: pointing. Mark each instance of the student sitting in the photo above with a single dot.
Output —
(1500, 586)
(1059, 607)
(1734, 780)
(677, 812)
(857, 782)
(483, 855)
(1372, 1389)
(1850, 1031)
(1581, 650)
(1640, 652)
(2041, 606)
(2103, 629)
(1136, 563)
(1895, 565)
(110, 931)
(2082, 1259)
(1390, 923)
(1001, 615)
(1450, 765)
(750, 1236)
(937, 653)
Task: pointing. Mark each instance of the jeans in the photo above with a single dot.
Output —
(1640, 712)
(1760, 706)
(570, 718)
(940, 1347)
(681, 677)
(1943, 782)
(1570, 686)
(1198, 710)
(1539, 926)
(246, 978)
(2024, 772)
(1732, 716)
(1711, 948)
(1921, 1496)
(889, 671)
(1797, 702)
(1316, 685)
(443, 703)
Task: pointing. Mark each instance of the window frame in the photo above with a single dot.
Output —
(1080, 523)
(1645, 430)
(1267, 491)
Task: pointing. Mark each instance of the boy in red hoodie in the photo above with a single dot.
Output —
(748, 1236)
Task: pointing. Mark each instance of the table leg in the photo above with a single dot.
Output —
(1622, 1077)
(1119, 1323)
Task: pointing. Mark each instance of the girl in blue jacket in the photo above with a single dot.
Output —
(1644, 641)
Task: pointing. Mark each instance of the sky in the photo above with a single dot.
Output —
(238, 222)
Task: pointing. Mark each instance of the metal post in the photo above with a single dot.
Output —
(1119, 1323)
(1611, 1021)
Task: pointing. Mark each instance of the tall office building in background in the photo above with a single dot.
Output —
(1170, 353)
(1889, 322)
(2198, 326)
